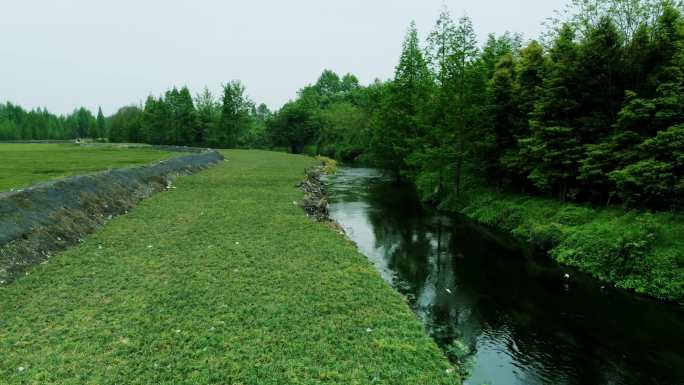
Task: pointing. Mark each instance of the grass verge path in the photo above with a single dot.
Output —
(221, 281)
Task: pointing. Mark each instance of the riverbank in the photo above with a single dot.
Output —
(643, 252)
(496, 305)
(221, 280)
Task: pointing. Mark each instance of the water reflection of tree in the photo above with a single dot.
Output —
(494, 291)
(416, 248)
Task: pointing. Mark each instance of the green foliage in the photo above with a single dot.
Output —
(101, 125)
(344, 131)
(464, 355)
(628, 15)
(329, 164)
(296, 124)
(571, 121)
(39, 124)
(126, 125)
(176, 118)
(402, 113)
(235, 119)
(632, 250)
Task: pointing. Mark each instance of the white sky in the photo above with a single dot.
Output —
(62, 54)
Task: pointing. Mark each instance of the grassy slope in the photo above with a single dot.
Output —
(639, 251)
(22, 165)
(222, 280)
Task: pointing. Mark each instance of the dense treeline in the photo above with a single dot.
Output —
(595, 113)
(177, 118)
(39, 124)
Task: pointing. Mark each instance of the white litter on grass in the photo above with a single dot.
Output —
(237, 243)
(99, 247)
(149, 246)
(369, 330)
(178, 331)
(566, 276)
(21, 368)
(450, 370)
(448, 291)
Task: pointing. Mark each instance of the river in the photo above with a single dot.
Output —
(507, 313)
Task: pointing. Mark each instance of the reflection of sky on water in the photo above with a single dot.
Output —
(522, 322)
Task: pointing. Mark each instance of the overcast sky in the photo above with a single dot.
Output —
(61, 54)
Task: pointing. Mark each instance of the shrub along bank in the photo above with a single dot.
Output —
(634, 250)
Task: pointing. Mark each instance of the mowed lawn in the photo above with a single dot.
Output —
(222, 280)
(22, 165)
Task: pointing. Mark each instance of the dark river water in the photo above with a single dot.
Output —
(506, 313)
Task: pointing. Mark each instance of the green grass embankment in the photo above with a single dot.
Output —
(22, 165)
(639, 251)
(223, 280)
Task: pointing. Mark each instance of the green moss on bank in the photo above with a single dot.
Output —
(638, 251)
(222, 280)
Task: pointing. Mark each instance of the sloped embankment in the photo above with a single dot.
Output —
(52, 216)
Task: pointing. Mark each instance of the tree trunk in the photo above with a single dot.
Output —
(457, 177)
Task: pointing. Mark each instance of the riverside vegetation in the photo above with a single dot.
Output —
(574, 140)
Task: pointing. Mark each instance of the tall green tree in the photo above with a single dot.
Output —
(505, 114)
(101, 124)
(466, 82)
(126, 125)
(402, 115)
(234, 119)
(440, 45)
(208, 116)
(554, 146)
(295, 125)
(498, 47)
(186, 118)
(530, 71)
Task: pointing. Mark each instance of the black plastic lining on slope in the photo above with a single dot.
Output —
(51, 216)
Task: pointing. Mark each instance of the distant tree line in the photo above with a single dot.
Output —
(39, 124)
(176, 118)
